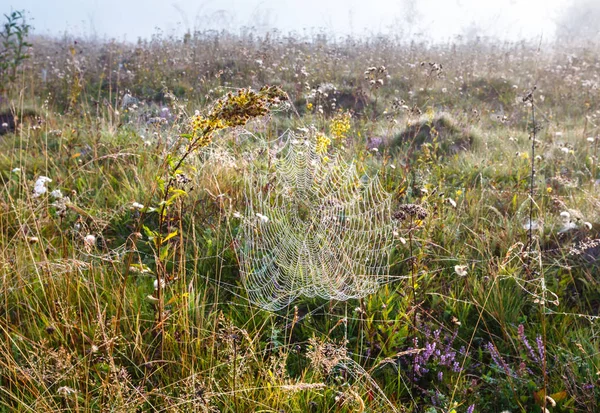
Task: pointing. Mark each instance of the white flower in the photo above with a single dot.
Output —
(263, 218)
(590, 139)
(452, 202)
(90, 240)
(460, 270)
(137, 205)
(39, 187)
(16, 170)
(65, 391)
(565, 150)
(56, 194)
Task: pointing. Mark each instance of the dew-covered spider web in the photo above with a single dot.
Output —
(314, 226)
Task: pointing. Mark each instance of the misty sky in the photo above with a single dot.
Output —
(435, 19)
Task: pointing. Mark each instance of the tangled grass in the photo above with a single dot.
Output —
(120, 285)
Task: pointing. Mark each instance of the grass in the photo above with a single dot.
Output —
(85, 329)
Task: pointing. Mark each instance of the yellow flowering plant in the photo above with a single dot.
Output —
(233, 110)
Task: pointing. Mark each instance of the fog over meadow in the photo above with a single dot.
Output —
(430, 20)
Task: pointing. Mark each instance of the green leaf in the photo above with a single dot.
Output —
(171, 235)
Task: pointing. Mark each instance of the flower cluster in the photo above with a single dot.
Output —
(238, 109)
(323, 143)
(375, 75)
(406, 211)
(340, 125)
(234, 110)
(437, 352)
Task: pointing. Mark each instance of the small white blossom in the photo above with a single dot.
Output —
(65, 391)
(39, 187)
(460, 270)
(137, 205)
(90, 240)
(56, 194)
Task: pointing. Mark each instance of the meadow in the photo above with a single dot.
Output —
(127, 283)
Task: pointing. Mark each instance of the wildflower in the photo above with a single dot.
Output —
(525, 341)
(234, 110)
(340, 125)
(65, 391)
(471, 408)
(89, 240)
(16, 170)
(452, 202)
(137, 205)
(56, 194)
(323, 143)
(591, 139)
(39, 187)
(460, 270)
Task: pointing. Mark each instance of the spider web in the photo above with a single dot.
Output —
(313, 227)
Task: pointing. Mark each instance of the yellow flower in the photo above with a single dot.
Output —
(234, 110)
(323, 143)
(340, 125)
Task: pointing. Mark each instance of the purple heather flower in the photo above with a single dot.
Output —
(541, 348)
(525, 342)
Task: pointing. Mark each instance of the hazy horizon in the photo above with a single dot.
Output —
(432, 20)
